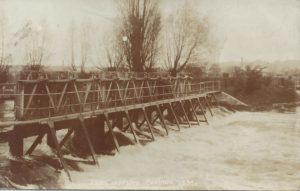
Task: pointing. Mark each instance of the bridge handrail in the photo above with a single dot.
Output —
(82, 99)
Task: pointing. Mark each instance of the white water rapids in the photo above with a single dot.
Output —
(243, 150)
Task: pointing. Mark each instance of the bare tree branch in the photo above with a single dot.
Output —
(141, 24)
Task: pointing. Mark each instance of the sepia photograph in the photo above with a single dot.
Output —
(150, 94)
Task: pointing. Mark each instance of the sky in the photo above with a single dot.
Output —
(249, 29)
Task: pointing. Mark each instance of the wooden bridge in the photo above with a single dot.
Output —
(91, 105)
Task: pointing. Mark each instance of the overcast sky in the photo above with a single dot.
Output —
(252, 29)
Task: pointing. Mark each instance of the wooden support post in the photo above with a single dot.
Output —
(194, 112)
(161, 116)
(58, 151)
(216, 100)
(155, 119)
(37, 141)
(149, 123)
(86, 134)
(50, 141)
(202, 110)
(187, 119)
(111, 131)
(203, 104)
(174, 114)
(131, 127)
(208, 106)
(69, 133)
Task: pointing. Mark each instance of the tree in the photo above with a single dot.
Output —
(35, 38)
(185, 37)
(247, 79)
(114, 51)
(85, 45)
(215, 70)
(140, 27)
(72, 30)
(5, 56)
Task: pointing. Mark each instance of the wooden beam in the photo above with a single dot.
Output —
(208, 106)
(87, 137)
(202, 110)
(58, 151)
(30, 98)
(112, 132)
(160, 114)
(87, 92)
(62, 96)
(37, 141)
(174, 115)
(69, 133)
(50, 97)
(149, 123)
(194, 112)
(131, 127)
(186, 117)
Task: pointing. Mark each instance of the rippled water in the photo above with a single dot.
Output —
(243, 150)
(240, 151)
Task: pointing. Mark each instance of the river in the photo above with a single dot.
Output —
(241, 150)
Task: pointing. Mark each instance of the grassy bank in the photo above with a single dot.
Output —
(266, 96)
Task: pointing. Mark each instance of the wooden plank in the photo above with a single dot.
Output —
(58, 151)
(87, 137)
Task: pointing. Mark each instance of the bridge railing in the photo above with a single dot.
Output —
(34, 75)
(59, 97)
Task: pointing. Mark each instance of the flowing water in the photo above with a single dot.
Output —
(242, 150)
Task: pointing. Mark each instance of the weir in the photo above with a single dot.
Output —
(48, 102)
